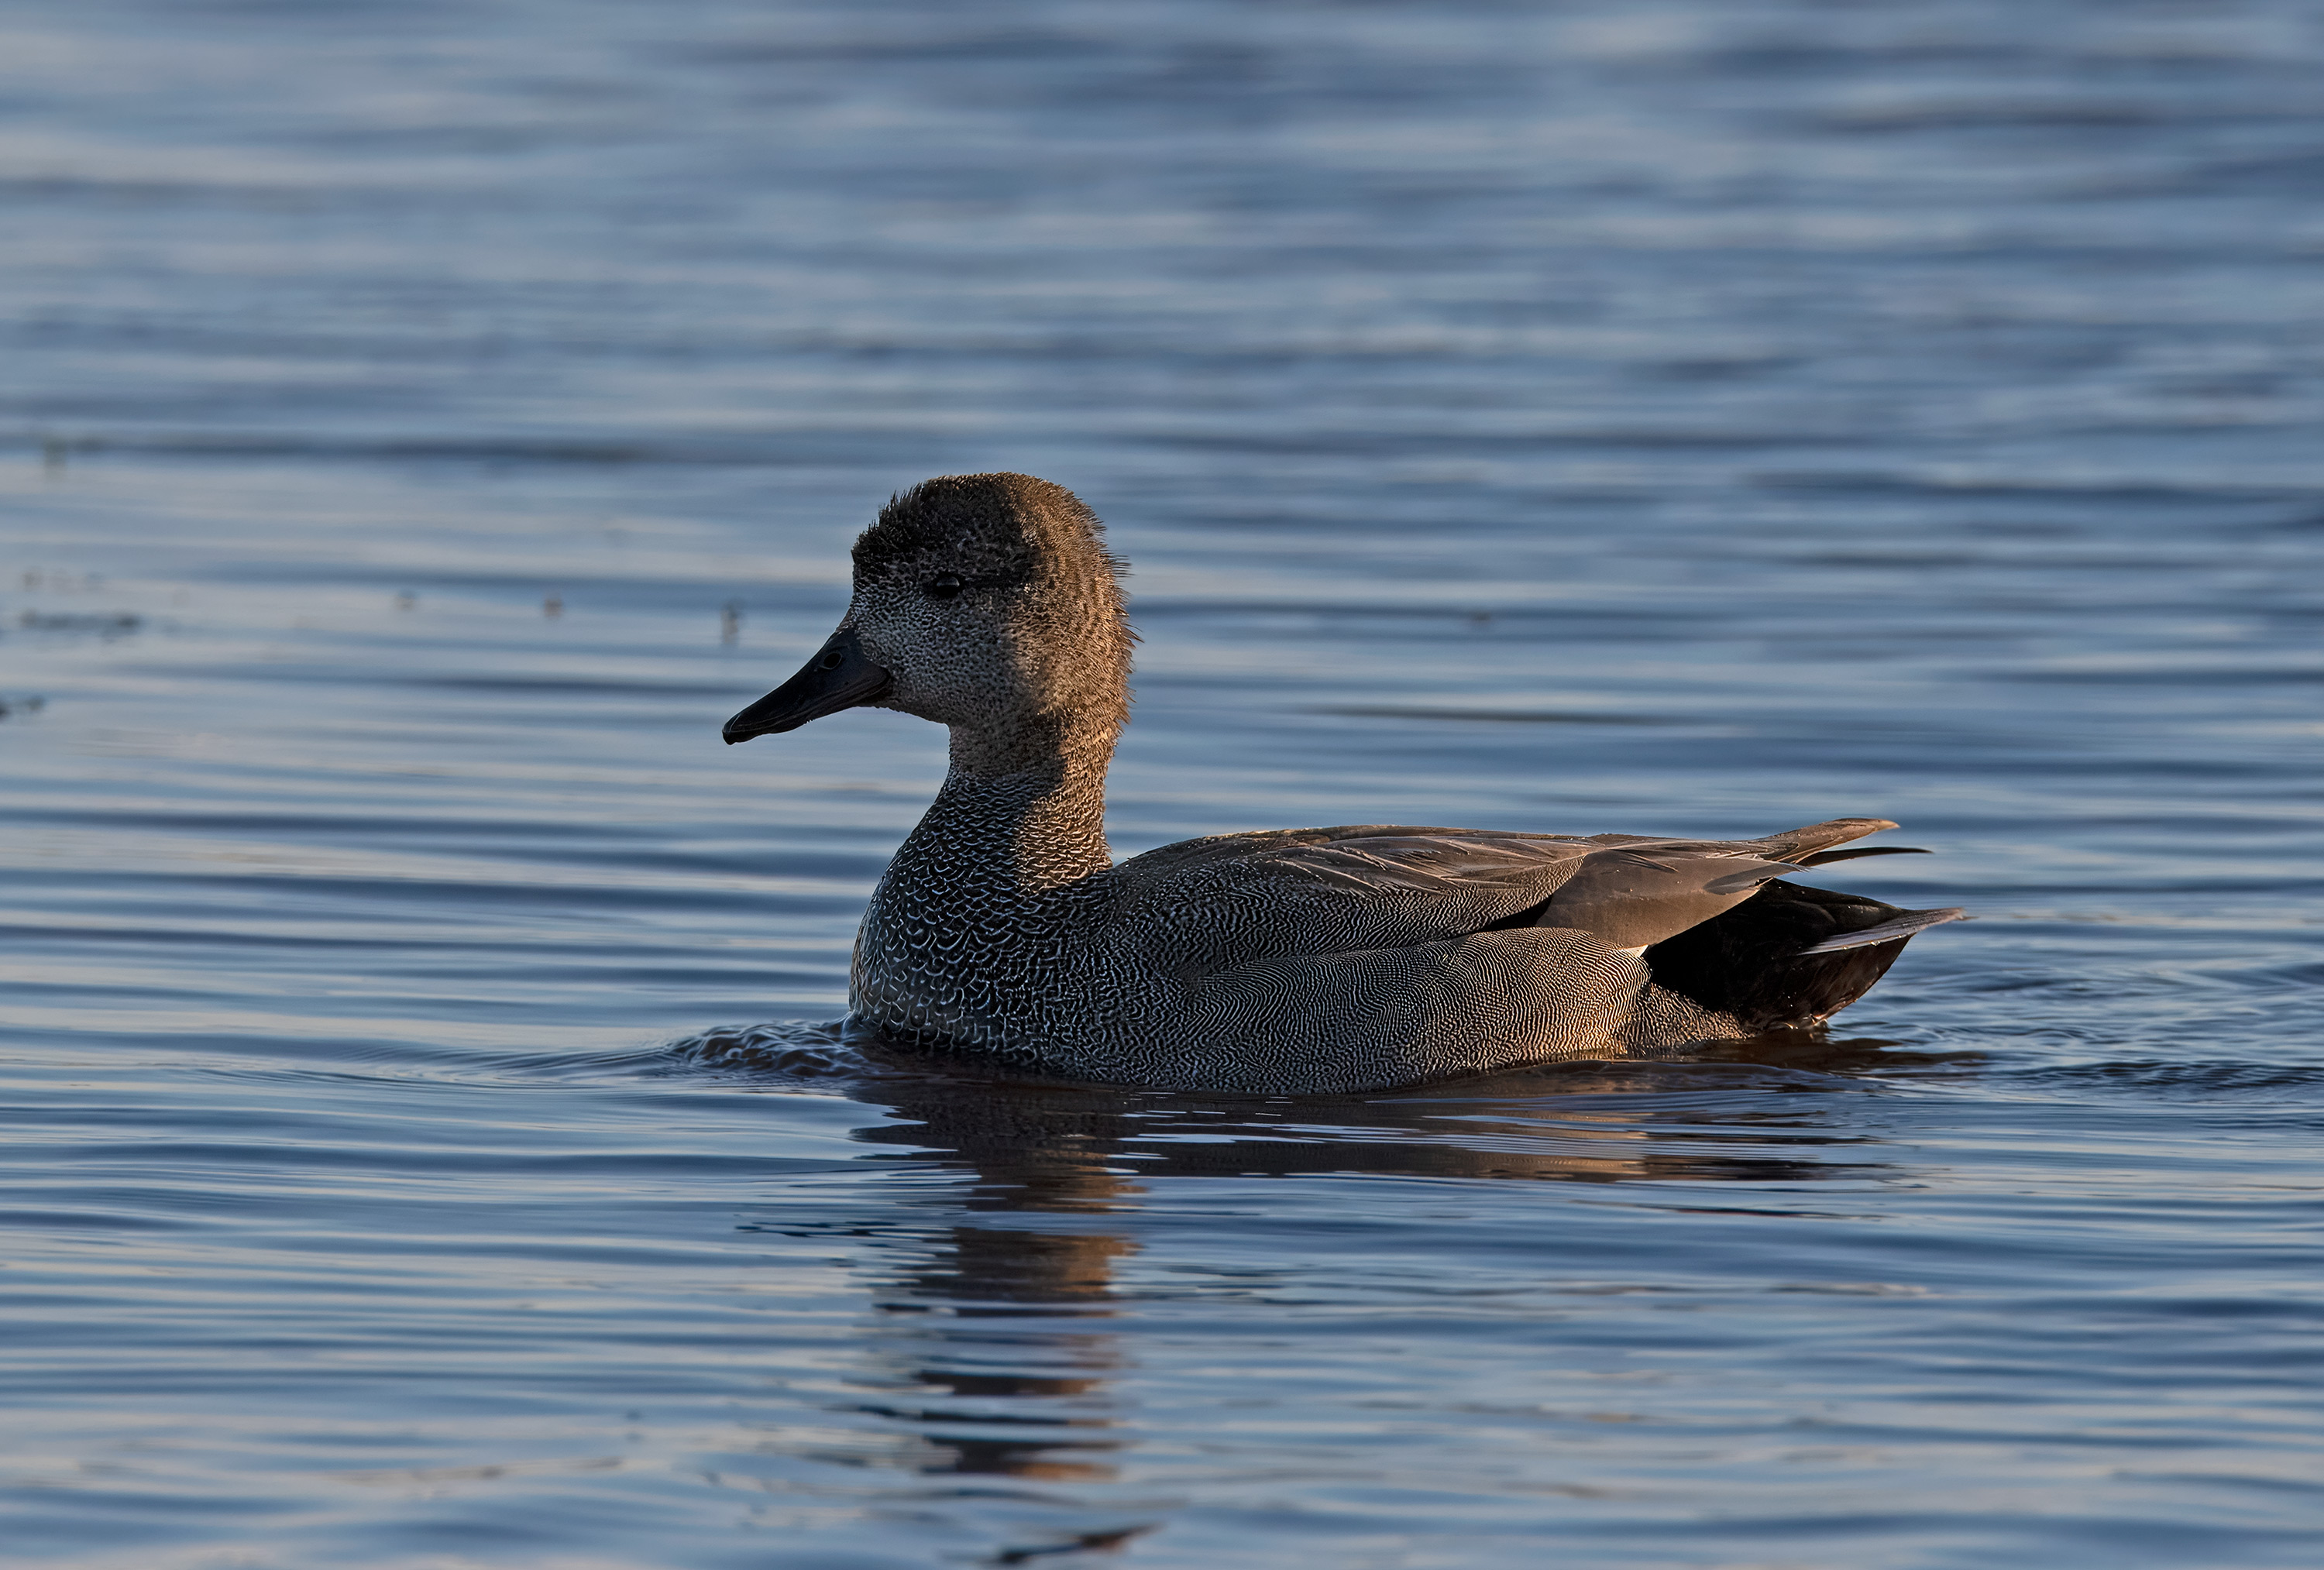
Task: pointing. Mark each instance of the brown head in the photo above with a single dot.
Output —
(987, 602)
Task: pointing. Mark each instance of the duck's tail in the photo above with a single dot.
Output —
(1790, 955)
(1894, 930)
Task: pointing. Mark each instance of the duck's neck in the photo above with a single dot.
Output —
(1021, 814)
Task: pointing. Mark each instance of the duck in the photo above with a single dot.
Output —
(1276, 963)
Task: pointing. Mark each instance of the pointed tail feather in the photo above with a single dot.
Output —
(1824, 857)
(1890, 932)
(1794, 844)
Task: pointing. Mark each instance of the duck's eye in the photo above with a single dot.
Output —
(944, 585)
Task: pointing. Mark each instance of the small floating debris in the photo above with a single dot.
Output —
(63, 582)
(112, 625)
(406, 599)
(730, 621)
(552, 605)
(21, 706)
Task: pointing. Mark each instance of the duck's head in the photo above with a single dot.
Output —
(987, 602)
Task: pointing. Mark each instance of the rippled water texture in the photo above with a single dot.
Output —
(420, 426)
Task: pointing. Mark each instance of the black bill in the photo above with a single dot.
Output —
(838, 677)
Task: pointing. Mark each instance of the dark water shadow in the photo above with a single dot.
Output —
(1766, 1108)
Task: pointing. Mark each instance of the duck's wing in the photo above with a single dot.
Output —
(1194, 908)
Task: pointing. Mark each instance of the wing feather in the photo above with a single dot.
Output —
(1195, 907)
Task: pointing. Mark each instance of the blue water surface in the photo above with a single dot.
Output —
(421, 425)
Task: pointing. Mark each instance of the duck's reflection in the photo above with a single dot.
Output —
(1000, 1333)
(1765, 1111)
(1008, 1365)
(1001, 1340)
(1000, 1352)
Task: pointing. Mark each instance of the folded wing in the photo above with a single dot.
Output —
(1197, 907)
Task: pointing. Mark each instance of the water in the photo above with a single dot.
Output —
(425, 1147)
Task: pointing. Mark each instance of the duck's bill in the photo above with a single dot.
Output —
(838, 677)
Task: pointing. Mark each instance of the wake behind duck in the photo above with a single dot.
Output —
(1284, 961)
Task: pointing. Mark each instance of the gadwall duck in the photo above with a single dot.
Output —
(1284, 961)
